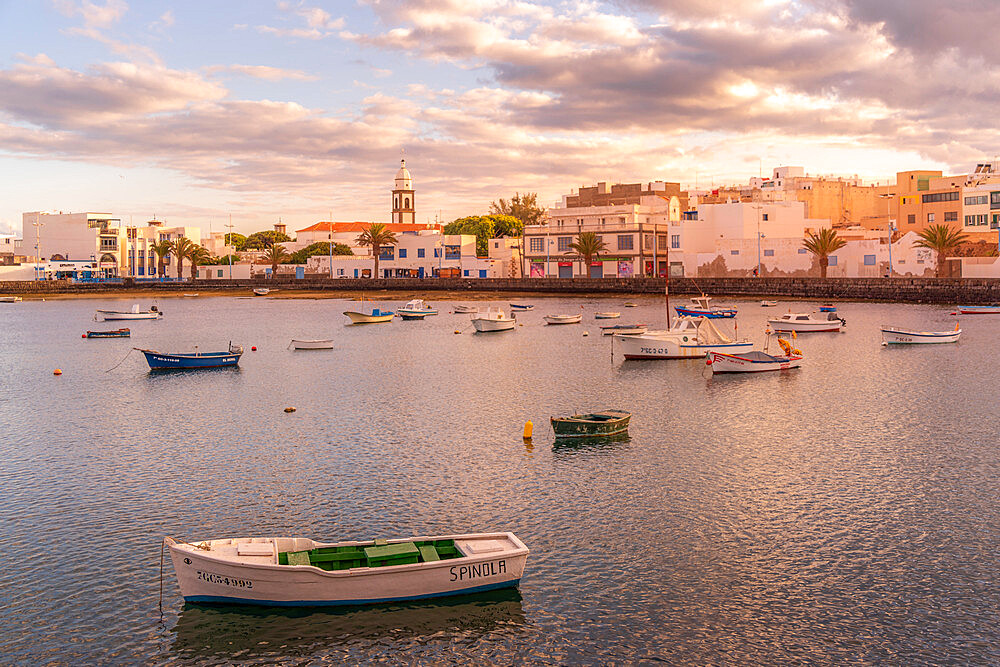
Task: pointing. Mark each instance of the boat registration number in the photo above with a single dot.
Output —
(491, 569)
(213, 578)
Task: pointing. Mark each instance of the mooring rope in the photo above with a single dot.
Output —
(120, 362)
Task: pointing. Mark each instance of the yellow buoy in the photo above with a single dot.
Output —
(586, 333)
(458, 331)
(289, 409)
(528, 427)
(57, 371)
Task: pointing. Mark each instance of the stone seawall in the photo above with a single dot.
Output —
(906, 290)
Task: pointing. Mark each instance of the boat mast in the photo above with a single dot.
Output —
(666, 257)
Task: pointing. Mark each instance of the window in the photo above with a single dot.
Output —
(466, 273)
(220, 273)
(939, 196)
(625, 241)
(402, 253)
(661, 240)
(621, 221)
(386, 253)
(951, 216)
(340, 272)
(675, 240)
(833, 260)
(647, 241)
(734, 252)
(602, 219)
(802, 251)
(930, 218)
(482, 273)
(420, 253)
(437, 251)
(911, 218)
(995, 224)
(995, 200)
(869, 260)
(769, 253)
(406, 202)
(562, 243)
(534, 244)
(453, 252)
(976, 200)
(764, 217)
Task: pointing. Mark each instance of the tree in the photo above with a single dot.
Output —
(525, 208)
(198, 255)
(318, 248)
(161, 249)
(943, 240)
(589, 245)
(484, 228)
(224, 259)
(265, 239)
(823, 245)
(374, 237)
(180, 249)
(238, 241)
(276, 255)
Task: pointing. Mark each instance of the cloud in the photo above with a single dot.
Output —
(318, 23)
(263, 72)
(94, 15)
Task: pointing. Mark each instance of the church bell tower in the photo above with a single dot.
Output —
(403, 204)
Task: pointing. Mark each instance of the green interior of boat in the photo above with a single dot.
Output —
(377, 554)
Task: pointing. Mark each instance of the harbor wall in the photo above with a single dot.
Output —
(906, 290)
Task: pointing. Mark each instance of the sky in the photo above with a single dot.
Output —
(196, 111)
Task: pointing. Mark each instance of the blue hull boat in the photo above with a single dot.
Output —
(162, 361)
(712, 313)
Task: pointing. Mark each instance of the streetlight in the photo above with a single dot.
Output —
(330, 236)
(759, 237)
(37, 225)
(888, 212)
(230, 239)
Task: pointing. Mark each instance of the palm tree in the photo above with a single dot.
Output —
(943, 240)
(162, 249)
(823, 245)
(275, 254)
(181, 249)
(198, 255)
(374, 237)
(589, 245)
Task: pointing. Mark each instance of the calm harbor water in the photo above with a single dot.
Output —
(843, 512)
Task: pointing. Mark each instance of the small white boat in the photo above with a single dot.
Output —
(493, 320)
(192, 294)
(755, 361)
(898, 336)
(563, 319)
(10, 299)
(804, 322)
(261, 291)
(624, 329)
(462, 308)
(521, 307)
(687, 338)
(701, 307)
(993, 309)
(153, 313)
(297, 571)
(417, 308)
(629, 304)
(375, 317)
(768, 304)
(607, 316)
(311, 344)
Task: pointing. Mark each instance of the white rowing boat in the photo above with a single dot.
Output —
(318, 344)
(9, 299)
(135, 314)
(463, 308)
(295, 571)
(898, 336)
(804, 322)
(607, 316)
(562, 319)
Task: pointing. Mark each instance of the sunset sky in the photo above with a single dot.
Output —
(196, 110)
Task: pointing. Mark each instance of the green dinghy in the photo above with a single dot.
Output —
(596, 424)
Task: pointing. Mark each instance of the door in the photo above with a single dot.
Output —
(596, 270)
(565, 270)
(420, 272)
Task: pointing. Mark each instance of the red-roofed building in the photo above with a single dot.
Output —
(349, 230)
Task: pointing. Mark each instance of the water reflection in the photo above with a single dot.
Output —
(595, 443)
(206, 632)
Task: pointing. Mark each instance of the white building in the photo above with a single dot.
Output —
(417, 254)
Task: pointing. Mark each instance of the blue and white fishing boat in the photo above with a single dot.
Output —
(162, 361)
(700, 308)
(117, 333)
(993, 309)
(521, 307)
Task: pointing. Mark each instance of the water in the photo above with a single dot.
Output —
(843, 512)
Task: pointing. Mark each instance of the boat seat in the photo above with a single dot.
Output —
(428, 553)
(381, 542)
(299, 558)
(255, 549)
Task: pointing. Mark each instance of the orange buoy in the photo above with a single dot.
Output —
(57, 371)
(289, 409)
